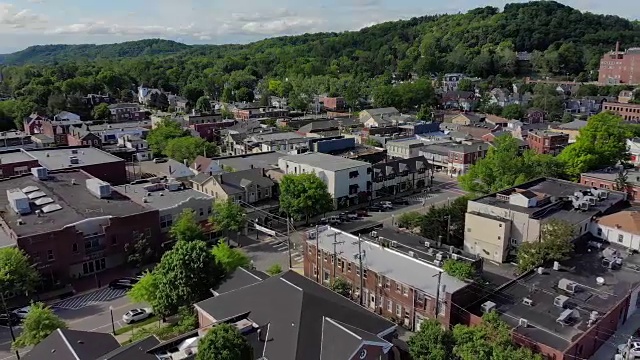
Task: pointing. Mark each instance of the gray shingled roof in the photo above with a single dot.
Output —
(65, 344)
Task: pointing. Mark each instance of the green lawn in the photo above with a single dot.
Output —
(135, 325)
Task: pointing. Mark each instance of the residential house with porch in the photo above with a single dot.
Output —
(394, 177)
(247, 186)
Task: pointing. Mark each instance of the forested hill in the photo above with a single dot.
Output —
(446, 42)
(61, 53)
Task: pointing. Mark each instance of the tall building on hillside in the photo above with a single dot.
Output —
(620, 67)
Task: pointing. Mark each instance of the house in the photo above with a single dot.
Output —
(79, 136)
(575, 307)
(58, 130)
(621, 228)
(404, 148)
(288, 142)
(333, 103)
(629, 112)
(625, 96)
(495, 120)
(534, 116)
(15, 138)
(394, 177)
(521, 130)
(609, 179)
(172, 169)
(497, 224)
(348, 181)
(247, 186)
(455, 158)
(547, 142)
(461, 100)
(33, 124)
(244, 113)
(65, 344)
(178, 103)
(72, 225)
(66, 116)
(503, 97)
(468, 119)
(266, 161)
(110, 133)
(463, 132)
(327, 326)
(144, 94)
(139, 145)
(450, 81)
(583, 106)
(126, 112)
(93, 100)
(365, 115)
(206, 165)
(385, 281)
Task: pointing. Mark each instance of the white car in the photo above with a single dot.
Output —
(386, 204)
(134, 315)
(22, 312)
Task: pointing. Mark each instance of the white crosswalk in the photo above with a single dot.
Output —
(281, 246)
(417, 198)
(101, 295)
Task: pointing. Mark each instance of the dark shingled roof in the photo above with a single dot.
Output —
(239, 279)
(134, 351)
(295, 307)
(64, 344)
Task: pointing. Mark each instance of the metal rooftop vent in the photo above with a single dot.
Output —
(43, 201)
(30, 189)
(51, 208)
(36, 194)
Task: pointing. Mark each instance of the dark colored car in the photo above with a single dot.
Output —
(124, 283)
(376, 208)
(12, 320)
(400, 202)
(343, 217)
(362, 213)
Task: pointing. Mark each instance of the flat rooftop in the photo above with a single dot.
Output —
(325, 161)
(75, 200)
(611, 174)
(386, 261)
(558, 207)
(159, 198)
(15, 156)
(58, 158)
(583, 269)
(265, 160)
(422, 248)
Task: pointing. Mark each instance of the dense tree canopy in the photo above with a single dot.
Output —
(39, 323)
(16, 272)
(304, 195)
(161, 135)
(224, 342)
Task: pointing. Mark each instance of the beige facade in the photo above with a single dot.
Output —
(249, 192)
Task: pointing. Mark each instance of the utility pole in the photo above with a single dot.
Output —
(448, 228)
(289, 243)
(439, 275)
(360, 255)
(335, 254)
(6, 311)
(318, 260)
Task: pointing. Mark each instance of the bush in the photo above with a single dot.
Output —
(274, 269)
(459, 269)
(410, 220)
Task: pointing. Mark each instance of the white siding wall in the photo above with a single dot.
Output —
(616, 236)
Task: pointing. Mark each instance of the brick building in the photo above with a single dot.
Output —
(547, 142)
(620, 67)
(66, 229)
(247, 113)
(58, 130)
(571, 310)
(126, 112)
(397, 286)
(16, 162)
(333, 103)
(607, 179)
(456, 158)
(629, 112)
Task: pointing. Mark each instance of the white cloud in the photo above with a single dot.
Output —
(104, 28)
(19, 19)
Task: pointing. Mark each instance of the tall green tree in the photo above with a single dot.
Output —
(145, 290)
(16, 271)
(557, 236)
(203, 104)
(39, 323)
(600, 144)
(224, 342)
(160, 136)
(229, 258)
(513, 111)
(228, 217)
(304, 195)
(431, 342)
(101, 112)
(188, 148)
(185, 276)
(186, 227)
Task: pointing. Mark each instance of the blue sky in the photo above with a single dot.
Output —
(31, 22)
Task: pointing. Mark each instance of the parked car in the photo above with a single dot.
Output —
(22, 312)
(352, 216)
(11, 320)
(400, 201)
(134, 315)
(123, 283)
(323, 221)
(386, 204)
(159, 160)
(334, 220)
(344, 217)
(362, 213)
(376, 208)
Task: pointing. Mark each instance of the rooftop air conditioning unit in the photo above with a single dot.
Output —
(567, 285)
(454, 256)
(394, 244)
(527, 301)
(439, 256)
(411, 254)
(560, 301)
(374, 234)
(438, 263)
(488, 306)
(523, 323)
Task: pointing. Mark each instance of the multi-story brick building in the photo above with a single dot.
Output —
(620, 67)
(456, 158)
(16, 162)
(395, 285)
(247, 113)
(71, 224)
(126, 112)
(393, 177)
(59, 130)
(608, 179)
(629, 112)
(547, 142)
(333, 103)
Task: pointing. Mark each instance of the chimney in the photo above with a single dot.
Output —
(617, 46)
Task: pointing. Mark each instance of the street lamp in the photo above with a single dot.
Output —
(113, 325)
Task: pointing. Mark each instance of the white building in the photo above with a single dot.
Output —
(348, 181)
(621, 228)
(141, 147)
(634, 150)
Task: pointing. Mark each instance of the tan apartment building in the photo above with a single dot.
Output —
(248, 186)
(497, 224)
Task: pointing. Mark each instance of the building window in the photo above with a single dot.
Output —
(513, 241)
(209, 210)
(353, 174)
(398, 310)
(315, 270)
(340, 264)
(326, 277)
(364, 273)
(166, 221)
(349, 267)
(74, 248)
(50, 256)
(387, 284)
(201, 212)
(357, 271)
(389, 305)
(620, 238)
(310, 250)
(398, 287)
(405, 291)
(599, 232)
(114, 240)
